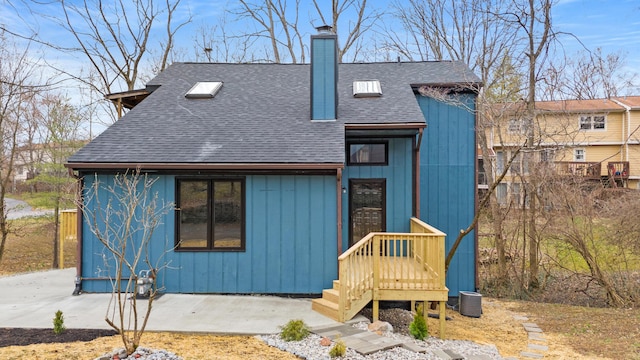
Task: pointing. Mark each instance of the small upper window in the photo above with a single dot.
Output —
(204, 89)
(374, 153)
(596, 122)
(367, 88)
(517, 126)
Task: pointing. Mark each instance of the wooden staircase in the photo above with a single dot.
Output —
(329, 303)
(388, 266)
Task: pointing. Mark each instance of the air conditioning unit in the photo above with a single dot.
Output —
(470, 304)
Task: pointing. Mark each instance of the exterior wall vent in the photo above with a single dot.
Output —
(367, 88)
(204, 90)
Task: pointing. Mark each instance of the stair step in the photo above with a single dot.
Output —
(332, 295)
(336, 284)
(326, 308)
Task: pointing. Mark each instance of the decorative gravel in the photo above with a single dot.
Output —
(310, 348)
(141, 353)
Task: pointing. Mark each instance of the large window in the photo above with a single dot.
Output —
(210, 214)
(595, 122)
(367, 153)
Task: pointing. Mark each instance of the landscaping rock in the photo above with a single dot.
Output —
(382, 326)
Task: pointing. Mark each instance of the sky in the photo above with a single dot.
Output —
(613, 25)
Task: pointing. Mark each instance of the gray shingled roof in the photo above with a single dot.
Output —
(261, 114)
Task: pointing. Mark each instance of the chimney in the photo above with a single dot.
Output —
(324, 74)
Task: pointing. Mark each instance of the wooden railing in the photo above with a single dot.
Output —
(618, 169)
(588, 170)
(432, 252)
(392, 266)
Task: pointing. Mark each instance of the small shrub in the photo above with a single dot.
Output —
(58, 323)
(418, 327)
(294, 330)
(338, 350)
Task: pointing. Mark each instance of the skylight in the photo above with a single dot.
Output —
(204, 89)
(367, 88)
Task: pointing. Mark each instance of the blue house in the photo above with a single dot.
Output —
(276, 170)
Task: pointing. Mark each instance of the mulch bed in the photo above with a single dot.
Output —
(22, 336)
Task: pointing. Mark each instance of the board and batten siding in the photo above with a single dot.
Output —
(447, 181)
(291, 242)
(399, 186)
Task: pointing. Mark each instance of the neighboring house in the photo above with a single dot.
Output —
(300, 162)
(29, 160)
(597, 141)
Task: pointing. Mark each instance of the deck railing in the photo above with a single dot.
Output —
(391, 266)
(584, 169)
(618, 169)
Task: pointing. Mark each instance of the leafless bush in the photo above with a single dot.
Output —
(122, 213)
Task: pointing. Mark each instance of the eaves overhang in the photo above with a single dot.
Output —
(382, 130)
(128, 99)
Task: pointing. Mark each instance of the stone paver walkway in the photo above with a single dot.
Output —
(362, 341)
(366, 342)
(537, 346)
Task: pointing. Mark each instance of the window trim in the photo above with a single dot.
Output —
(211, 224)
(584, 154)
(367, 142)
(592, 122)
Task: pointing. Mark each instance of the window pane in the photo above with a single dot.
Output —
(585, 122)
(193, 214)
(514, 125)
(227, 209)
(501, 193)
(598, 122)
(367, 153)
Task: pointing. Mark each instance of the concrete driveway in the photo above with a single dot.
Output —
(32, 299)
(17, 209)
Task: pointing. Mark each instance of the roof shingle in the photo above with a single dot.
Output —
(260, 115)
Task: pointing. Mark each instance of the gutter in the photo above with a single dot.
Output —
(417, 125)
(203, 166)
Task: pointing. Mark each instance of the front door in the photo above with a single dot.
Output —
(367, 213)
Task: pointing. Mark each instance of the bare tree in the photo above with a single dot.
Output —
(365, 18)
(123, 214)
(278, 22)
(60, 138)
(17, 88)
(534, 18)
(593, 224)
(114, 36)
(588, 75)
(466, 30)
(216, 44)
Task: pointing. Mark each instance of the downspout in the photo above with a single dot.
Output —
(625, 140)
(417, 173)
(78, 280)
(475, 188)
(339, 212)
